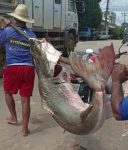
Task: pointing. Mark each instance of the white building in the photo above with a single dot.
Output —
(111, 17)
(111, 20)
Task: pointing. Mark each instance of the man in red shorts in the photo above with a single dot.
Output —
(18, 75)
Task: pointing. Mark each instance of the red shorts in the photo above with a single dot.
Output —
(19, 78)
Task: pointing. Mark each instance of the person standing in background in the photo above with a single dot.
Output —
(19, 73)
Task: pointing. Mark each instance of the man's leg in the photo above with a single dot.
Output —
(11, 106)
(25, 114)
(11, 82)
(26, 90)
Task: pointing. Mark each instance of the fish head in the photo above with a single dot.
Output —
(38, 52)
(44, 55)
(36, 49)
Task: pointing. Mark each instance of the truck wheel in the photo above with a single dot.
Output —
(69, 45)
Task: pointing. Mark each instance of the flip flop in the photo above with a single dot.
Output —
(11, 122)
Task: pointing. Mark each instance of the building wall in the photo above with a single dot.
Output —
(111, 17)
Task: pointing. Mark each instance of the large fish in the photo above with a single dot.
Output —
(58, 95)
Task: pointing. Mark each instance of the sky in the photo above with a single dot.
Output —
(117, 6)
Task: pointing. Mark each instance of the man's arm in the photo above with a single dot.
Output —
(4, 24)
(64, 60)
(117, 98)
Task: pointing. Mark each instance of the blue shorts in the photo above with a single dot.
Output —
(123, 108)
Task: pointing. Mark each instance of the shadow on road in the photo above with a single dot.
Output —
(44, 122)
(75, 142)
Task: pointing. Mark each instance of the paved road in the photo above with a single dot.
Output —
(95, 45)
(47, 135)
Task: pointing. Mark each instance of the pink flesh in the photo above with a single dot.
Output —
(74, 98)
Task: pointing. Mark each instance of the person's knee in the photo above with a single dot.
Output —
(25, 100)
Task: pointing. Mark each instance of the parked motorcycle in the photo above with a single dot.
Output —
(84, 91)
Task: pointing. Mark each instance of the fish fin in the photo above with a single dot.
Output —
(95, 74)
(85, 113)
(106, 58)
(90, 72)
(80, 66)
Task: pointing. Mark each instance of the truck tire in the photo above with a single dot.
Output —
(69, 45)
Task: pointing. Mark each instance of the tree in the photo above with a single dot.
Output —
(98, 1)
(117, 33)
(124, 25)
(92, 15)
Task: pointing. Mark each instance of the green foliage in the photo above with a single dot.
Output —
(92, 16)
(98, 1)
(117, 33)
(124, 25)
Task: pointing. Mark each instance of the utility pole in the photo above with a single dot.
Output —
(124, 15)
(106, 17)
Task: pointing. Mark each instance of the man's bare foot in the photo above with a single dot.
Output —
(25, 132)
(11, 120)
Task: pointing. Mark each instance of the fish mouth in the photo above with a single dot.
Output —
(57, 70)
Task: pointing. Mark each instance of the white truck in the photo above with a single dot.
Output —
(57, 20)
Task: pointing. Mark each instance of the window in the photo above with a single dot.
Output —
(58, 1)
(71, 5)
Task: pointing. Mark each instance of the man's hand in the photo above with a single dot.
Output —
(4, 22)
(119, 73)
(64, 60)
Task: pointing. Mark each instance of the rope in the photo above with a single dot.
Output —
(19, 31)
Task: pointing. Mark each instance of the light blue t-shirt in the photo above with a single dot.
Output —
(17, 47)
